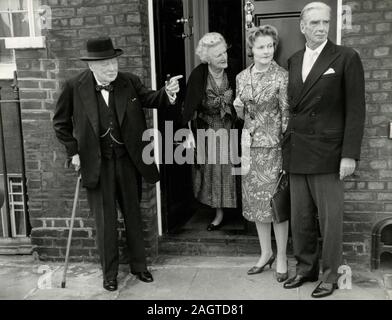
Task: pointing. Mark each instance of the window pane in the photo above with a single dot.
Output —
(19, 5)
(5, 25)
(21, 24)
(38, 22)
(6, 55)
(13, 5)
(4, 5)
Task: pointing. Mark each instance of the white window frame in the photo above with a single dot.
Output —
(32, 41)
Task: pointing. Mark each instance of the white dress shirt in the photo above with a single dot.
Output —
(310, 57)
(105, 93)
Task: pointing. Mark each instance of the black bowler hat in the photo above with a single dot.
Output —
(100, 49)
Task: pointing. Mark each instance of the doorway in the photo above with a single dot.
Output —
(179, 24)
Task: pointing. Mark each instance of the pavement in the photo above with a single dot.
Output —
(175, 278)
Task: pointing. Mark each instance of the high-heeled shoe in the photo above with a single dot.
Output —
(280, 277)
(256, 269)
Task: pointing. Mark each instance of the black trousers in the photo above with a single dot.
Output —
(119, 183)
(315, 195)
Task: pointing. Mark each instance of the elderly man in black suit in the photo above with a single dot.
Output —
(99, 119)
(321, 146)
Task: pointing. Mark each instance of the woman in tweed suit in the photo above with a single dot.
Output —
(261, 100)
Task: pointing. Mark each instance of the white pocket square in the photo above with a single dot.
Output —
(329, 71)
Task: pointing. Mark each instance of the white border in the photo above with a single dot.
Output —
(155, 112)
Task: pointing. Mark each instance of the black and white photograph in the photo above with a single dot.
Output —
(202, 153)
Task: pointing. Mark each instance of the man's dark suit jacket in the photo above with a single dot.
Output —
(327, 112)
(76, 122)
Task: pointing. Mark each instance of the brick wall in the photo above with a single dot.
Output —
(41, 73)
(369, 196)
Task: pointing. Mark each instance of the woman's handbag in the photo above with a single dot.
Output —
(280, 201)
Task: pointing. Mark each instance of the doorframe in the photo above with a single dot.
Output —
(339, 7)
(201, 15)
(199, 10)
(157, 151)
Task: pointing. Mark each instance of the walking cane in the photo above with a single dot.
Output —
(70, 230)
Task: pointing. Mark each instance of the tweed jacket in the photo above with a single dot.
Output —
(261, 100)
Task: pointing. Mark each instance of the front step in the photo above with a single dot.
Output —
(211, 246)
(215, 243)
(9, 246)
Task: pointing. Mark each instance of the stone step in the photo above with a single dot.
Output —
(211, 245)
(15, 246)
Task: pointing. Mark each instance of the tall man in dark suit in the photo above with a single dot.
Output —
(321, 145)
(99, 119)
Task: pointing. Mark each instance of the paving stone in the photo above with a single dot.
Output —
(176, 278)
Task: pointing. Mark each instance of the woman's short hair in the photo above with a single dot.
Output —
(261, 31)
(209, 40)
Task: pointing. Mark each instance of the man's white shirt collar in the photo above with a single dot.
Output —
(310, 58)
(98, 82)
(105, 94)
(317, 50)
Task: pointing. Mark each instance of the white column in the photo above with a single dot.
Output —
(155, 112)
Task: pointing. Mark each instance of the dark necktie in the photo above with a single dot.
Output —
(107, 87)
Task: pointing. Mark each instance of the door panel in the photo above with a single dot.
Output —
(284, 15)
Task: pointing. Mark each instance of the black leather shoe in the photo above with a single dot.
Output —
(323, 289)
(144, 276)
(110, 285)
(298, 281)
(213, 227)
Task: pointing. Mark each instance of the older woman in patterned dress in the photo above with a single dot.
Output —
(261, 100)
(209, 105)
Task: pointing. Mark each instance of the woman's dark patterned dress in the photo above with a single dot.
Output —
(214, 184)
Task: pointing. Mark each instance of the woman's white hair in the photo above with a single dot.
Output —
(209, 40)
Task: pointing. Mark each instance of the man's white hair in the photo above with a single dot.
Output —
(314, 5)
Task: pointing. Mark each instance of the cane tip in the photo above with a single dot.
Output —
(63, 284)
